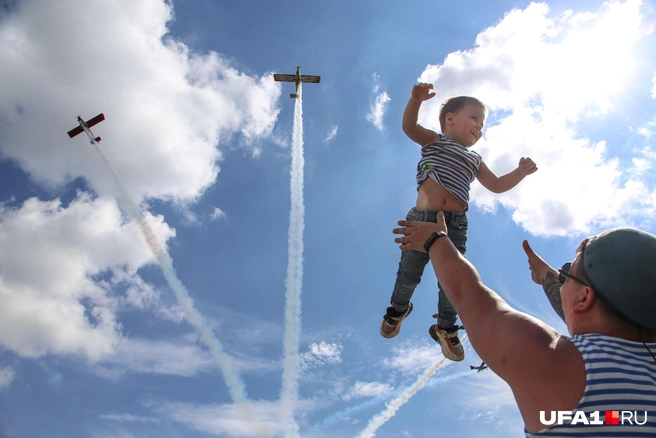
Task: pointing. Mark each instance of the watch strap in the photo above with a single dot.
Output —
(432, 238)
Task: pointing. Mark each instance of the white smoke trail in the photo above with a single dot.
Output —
(335, 417)
(394, 405)
(231, 376)
(294, 280)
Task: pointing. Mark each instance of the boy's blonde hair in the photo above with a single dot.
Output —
(455, 104)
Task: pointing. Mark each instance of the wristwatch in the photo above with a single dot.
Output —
(432, 238)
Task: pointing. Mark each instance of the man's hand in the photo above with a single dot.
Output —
(421, 92)
(526, 166)
(417, 233)
(538, 267)
(545, 275)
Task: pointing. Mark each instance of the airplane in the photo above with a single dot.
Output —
(480, 368)
(297, 78)
(86, 127)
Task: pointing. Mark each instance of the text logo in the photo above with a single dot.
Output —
(611, 418)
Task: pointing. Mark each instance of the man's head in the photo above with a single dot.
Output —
(619, 265)
(462, 119)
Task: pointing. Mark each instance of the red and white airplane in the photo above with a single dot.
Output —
(86, 127)
(297, 78)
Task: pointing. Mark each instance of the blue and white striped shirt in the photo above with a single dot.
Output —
(621, 376)
(450, 165)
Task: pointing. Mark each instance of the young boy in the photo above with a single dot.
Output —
(444, 174)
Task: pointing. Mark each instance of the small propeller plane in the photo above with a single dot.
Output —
(86, 127)
(479, 368)
(297, 78)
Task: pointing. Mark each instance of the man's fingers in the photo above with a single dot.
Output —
(527, 249)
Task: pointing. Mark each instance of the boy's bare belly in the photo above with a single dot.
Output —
(433, 196)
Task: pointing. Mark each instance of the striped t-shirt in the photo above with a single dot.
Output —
(621, 376)
(450, 165)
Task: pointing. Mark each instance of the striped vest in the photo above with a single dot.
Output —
(621, 378)
(450, 165)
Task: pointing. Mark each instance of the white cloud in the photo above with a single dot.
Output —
(547, 74)
(376, 80)
(224, 420)
(6, 377)
(179, 357)
(56, 286)
(641, 165)
(129, 418)
(321, 354)
(167, 108)
(378, 108)
(412, 358)
(331, 134)
(111, 434)
(217, 213)
(486, 402)
(653, 89)
(367, 389)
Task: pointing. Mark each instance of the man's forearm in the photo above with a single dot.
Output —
(551, 287)
(461, 282)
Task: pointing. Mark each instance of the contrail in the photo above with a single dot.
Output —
(380, 419)
(294, 280)
(335, 417)
(230, 375)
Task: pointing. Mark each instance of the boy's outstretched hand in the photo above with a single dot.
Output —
(422, 91)
(526, 166)
(417, 233)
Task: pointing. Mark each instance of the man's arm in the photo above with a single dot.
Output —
(524, 351)
(414, 131)
(551, 287)
(542, 273)
(500, 184)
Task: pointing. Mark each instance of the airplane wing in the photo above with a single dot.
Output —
(99, 118)
(313, 79)
(75, 131)
(284, 78)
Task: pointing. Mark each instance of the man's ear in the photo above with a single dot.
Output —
(586, 299)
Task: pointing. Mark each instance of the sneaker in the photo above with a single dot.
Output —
(391, 325)
(448, 340)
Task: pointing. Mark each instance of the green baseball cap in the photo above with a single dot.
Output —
(621, 265)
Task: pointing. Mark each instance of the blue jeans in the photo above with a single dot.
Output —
(411, 266)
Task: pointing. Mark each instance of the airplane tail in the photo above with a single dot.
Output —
(293, 96)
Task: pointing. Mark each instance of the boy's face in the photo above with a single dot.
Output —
(466, 125)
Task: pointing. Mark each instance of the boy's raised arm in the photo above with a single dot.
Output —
(500, 184)
(414, 131)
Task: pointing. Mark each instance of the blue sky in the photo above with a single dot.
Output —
(94, 341)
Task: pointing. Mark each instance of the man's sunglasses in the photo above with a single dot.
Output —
(563, 274)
